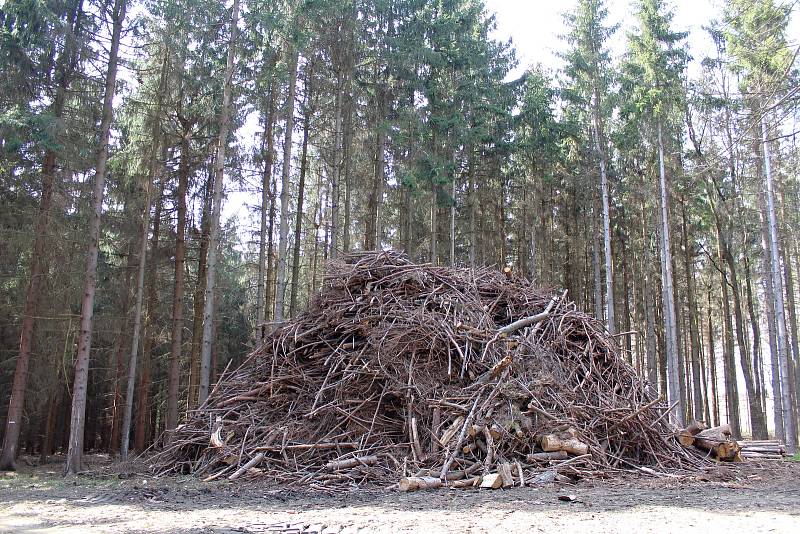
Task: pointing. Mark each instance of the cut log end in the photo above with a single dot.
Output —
(419, 483)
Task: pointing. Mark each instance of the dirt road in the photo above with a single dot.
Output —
(749, 500)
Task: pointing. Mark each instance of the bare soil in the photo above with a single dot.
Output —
(120, 499)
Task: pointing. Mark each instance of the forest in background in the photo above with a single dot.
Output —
(664, 203)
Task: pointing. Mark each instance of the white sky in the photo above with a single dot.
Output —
(536, 25)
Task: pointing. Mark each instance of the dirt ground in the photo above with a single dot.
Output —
(114, 500)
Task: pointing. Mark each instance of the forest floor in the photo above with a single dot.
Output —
(111, 499)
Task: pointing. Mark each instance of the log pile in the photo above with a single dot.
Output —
(767, 449)
(471, 377)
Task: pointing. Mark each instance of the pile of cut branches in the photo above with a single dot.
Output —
(462, 376)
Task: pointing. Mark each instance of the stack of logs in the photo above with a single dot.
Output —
(719, 443)
(764, 449)
(716, 441)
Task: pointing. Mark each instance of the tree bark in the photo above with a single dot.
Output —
(336, 174)
(266, 190)
(174, 376)
(219, 178)
(790, 430)
(373, 231)
(199, 294)
(65, 67)
(668, 297)
(283, 236)
(301, 186)
(79, 390)
(608, 263)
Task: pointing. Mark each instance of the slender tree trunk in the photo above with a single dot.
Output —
(283, 237)
(694, 348)
(347, 152)
(143, 402)
(712, 363)
(597, 279)
(336, 174)
(790, 430)
(174, 376)
(769, 298)
(38, 266)
(266, 185)
(758, 365)
(374, 231)
(649, 309)
(301, 186)
(608, 263)
(79, 390)
(472, 213)
(728, 361)
(668, 297)
(199, 294)
(453, 220)
(269, 296)
(137, 321)
(219, 178)
(117, 407)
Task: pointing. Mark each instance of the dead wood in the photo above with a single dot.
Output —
(398, 367)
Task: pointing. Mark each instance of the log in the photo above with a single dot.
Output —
(352, 462)
(243, 469)
(546, 456)
(718, 441)
(465, 483)
(505, 474)
(552, 443)
(418, 483)
(686, 436)
(492, 481)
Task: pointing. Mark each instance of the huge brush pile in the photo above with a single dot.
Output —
(402, 369)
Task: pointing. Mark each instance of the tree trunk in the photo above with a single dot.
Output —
(79, 390)
(301, 186)
(143, 402)
(694, 348)
(647, 295)
(769, 298)
(373, 232)
(219, 177)
(266, 189)
(336, 174)
(174, 376)
(199, 293)
(758, 365)
(609, 265)
(347, 152)
(777, 282)
(668, 297)
(283, 237)
(38, 266)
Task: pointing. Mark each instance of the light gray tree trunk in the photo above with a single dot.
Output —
(266, 185)
(336, 174)
(668, 295)
(790, 431)
(283, 232)
(216, 211)
(599, 140)
(137, 312)
(79, 390)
